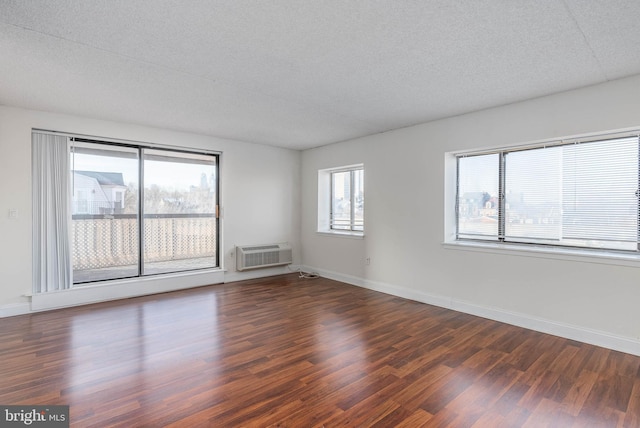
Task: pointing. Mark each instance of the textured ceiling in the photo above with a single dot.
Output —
(301, 74)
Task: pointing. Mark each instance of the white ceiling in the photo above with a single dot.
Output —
(301, 74)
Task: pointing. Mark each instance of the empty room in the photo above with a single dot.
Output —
(319, 214)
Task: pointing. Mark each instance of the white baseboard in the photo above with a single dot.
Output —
(14, 309)
(580, 334)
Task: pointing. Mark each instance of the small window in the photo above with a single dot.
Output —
(347, 200)
(341, 200)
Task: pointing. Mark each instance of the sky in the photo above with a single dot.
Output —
(169, 175)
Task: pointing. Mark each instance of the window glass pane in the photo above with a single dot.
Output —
(599, 204)
(104, 212)
(180, 224)
(341, 200)
(533, 194)
(478, 196)
(358, 202)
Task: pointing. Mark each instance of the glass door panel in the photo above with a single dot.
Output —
(180, 228)
(104, 212)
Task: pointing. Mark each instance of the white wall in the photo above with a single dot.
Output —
(260, 194)
(404, 222)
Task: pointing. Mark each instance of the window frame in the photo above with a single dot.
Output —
(351, 227)
(502, 246)
(326, 198)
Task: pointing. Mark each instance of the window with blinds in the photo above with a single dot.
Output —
(574, 194)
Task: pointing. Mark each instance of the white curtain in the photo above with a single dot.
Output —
(52, 268)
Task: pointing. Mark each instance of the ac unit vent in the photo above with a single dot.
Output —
(261, 248)
(260, 256)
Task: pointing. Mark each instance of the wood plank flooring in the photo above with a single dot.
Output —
(291, 352)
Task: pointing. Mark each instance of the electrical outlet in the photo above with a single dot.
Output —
(13, 213)
(367, 261)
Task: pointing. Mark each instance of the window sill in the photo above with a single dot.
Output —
(343, 234)
(572, 254)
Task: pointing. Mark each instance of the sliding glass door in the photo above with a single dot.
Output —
(104, 212)
(179, 211)
(140, 211)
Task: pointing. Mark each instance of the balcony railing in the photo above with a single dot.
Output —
(111, 240)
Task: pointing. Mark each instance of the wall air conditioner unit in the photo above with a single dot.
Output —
(260, 256)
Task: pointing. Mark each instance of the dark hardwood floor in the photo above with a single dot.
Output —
(290, 352)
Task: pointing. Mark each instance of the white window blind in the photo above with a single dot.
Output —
(51, 211)
(533, 195)
(600, 202)
(578, 194)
